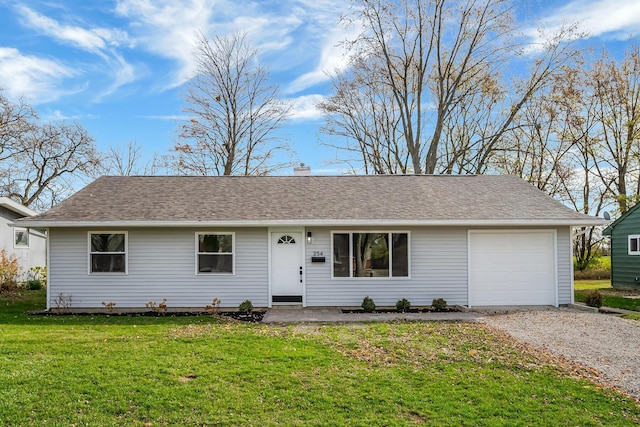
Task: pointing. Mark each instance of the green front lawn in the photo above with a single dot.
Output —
(613, 301)
(611, 297)
(195, 371)
(591, 284)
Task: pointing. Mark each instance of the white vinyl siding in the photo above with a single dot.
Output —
(28, 257)
(439, 269)
(161, 264)
(564, 252)
(438, 266)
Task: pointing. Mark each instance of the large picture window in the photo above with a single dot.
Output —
(214, 252)
(361, 254)
(108, 252)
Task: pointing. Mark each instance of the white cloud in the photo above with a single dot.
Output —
(167, 28)
(327, 37)
(174, 117)
(304, 107)
(35, 78)
(307, 29)
(122, 73)
(615, 19)
(57, 115)
(94, 40)
(102, 42)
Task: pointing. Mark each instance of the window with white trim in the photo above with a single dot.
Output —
(20, 238)
(107, 252)
(367, 254)
(634, 244)
(214, 253)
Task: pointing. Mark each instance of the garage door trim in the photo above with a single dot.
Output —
(554, 235)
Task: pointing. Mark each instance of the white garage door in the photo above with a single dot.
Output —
(512, 268)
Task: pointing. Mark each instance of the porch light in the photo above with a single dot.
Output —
(309, 237)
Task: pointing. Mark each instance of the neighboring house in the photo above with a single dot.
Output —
(625, 248)
(28, 245)
(310, 240)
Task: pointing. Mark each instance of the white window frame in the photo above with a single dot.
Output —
(633, 237)
(126, 253)
(24, 230)
(390, 232)
(232, 253)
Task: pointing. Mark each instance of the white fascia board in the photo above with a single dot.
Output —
(16, 207)
(317, 223)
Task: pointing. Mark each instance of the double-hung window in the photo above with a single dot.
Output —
(214, 253)
(365, 254)
(634, 244)
(107, 252)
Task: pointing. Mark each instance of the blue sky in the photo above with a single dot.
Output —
(119, 67)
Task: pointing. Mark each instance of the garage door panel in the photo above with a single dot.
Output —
(514, 268)
(521, 298)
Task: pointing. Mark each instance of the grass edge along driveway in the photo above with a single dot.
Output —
(206, 371)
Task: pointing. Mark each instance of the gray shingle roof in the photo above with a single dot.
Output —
(305, 200)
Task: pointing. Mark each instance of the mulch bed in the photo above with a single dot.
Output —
(393, 310)
(254, 317)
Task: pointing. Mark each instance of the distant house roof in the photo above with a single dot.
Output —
(631, 211)
(310, 200)
(16, 207)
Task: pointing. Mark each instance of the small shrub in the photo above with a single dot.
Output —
(63, 302)
(403, 305)
(593, 299)
(39, 273)
(9, 272)
(245, 307)
(34, 285)
(368, 305)
(214, 307)
(158, 308)
(439, 304)
(109, 306)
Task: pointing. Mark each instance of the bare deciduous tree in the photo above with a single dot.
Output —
(235, 112)
(430, 60)
(617, 93)
(16, 120)
(365, 114)
(129, 160)
(40, 161)
(565, 155)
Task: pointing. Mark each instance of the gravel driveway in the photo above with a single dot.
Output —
(607, 343)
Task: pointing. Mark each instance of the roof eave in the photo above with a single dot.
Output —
(320, 222)
(16, 207)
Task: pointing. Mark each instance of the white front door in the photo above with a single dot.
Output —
(286, 267)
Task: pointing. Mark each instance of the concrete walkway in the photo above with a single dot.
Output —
(292, 314)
